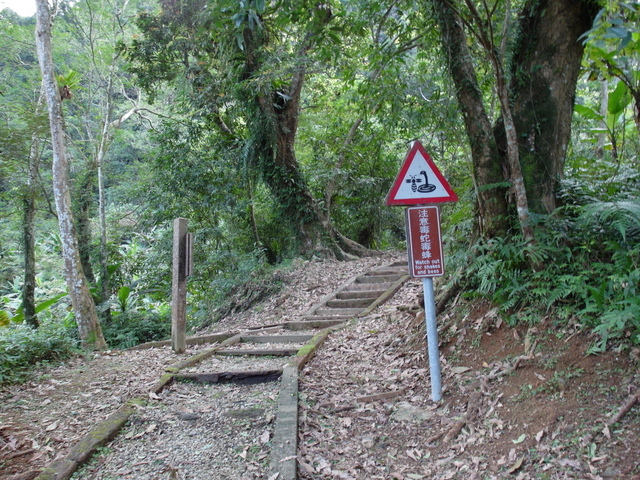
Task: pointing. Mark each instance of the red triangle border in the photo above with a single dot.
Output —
(391, 200)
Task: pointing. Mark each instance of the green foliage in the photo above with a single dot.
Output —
(612, 47)
(130, 328)
(22, 349)
(588, 267)
(229, 282)
(40, 307)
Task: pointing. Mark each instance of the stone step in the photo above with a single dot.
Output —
(276, 338)
(350, 303)
(329, 312)
(313, 322)
(336, 319)
(390, 271)
(359, 294)
(363, 287)
(275, 352)
(378, 278)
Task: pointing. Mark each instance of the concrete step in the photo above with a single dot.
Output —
(337, 319)
(350, 303)
(276, 338)
(329, 312)
(390, 271)
(378, 278)
(363, 287)
(275, 352)
(359, 294)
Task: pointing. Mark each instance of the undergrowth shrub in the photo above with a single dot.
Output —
(130, 328)
(235, 283)
(587, 267)
(23, 348)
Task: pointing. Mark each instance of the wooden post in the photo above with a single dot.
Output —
(179, 288)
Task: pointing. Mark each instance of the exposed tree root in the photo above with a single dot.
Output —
(624, 409)
(473, 408)
(475, 399)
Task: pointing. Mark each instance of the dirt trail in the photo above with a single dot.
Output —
(518, 402)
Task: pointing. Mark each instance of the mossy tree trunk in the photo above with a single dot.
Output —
(490, 184)
(28, 232)
(83, 211)
(545, 63)
(545, 68)
(273, 136)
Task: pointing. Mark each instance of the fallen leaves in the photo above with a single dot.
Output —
(50, 428)
(133, 435)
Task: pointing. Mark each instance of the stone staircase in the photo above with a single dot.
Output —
(360, 295)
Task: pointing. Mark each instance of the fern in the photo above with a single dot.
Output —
(591, 269)
(621, 217)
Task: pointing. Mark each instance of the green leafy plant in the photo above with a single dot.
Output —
(42, 306)
(130, 328)
(589, 268)
(23, 348)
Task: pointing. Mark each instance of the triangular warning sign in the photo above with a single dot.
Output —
(419, 181)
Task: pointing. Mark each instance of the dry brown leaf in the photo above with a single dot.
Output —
(459, 370)
(52, 427)
(516, 465)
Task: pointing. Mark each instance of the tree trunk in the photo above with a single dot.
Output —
(28, 233)
(537, 105)
(84, 309)
(545, 68)
(84, 202)
(273, 135)
(489, 179)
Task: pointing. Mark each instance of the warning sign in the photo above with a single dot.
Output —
(424, 243)
(420, 181)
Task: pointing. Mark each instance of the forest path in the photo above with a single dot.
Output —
(50, 416)
(522, 403)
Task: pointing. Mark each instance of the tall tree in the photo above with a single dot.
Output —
(489, 181)
(107, 101)
(29, 195)
(528, 144)
(249, 61)
(545, 66)
(83, 306)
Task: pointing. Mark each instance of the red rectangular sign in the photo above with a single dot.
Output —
(424, 243)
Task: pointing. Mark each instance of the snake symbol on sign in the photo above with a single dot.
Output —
(415, 180)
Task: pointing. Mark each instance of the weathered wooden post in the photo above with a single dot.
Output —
(182, 262)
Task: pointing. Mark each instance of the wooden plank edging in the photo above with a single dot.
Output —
(100, 434)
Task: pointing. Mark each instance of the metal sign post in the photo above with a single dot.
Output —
(432, 339)
(424, 247)
(419, 182)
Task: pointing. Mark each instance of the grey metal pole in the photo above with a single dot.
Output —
(432, 338)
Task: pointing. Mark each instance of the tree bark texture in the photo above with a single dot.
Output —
(28, 235)
(488, 172)
(83, 306)
(544, 71)
(273, 137)
(545, 64)
(83, 196)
